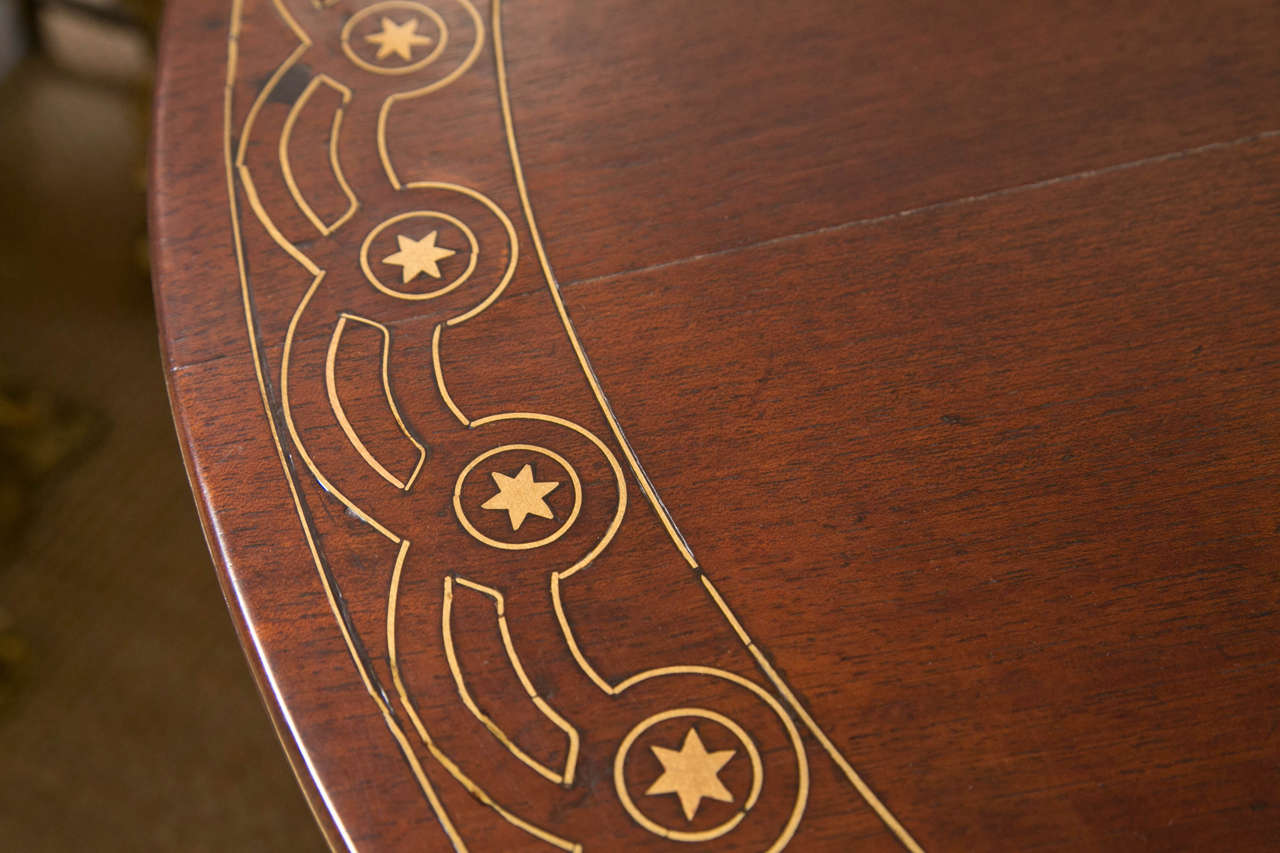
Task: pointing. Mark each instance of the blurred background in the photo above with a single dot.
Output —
(128, 717)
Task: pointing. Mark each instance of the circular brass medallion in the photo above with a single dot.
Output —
(394, 37)
(697, 756)
(511, 497)
(422, 248)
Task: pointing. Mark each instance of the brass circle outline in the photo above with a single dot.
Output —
(619, 782)
(345, 36)
(430, 294)
(518, 546)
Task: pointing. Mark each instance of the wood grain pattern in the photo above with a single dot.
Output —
(1047, 536)
(948, 341)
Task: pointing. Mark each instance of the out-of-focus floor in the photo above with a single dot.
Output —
(133, 723)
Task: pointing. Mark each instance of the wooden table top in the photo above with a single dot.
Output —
(720, 425)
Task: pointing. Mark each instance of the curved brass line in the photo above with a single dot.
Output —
(286, 165)
(402, 741)
(251, 190)
(339, 411)
(246, 132)
(425, 736)
(802, 763)
(852, 775)
(571, 760)
(574, 649)
(512, 241)
(444, 392)
(582, 563)
(287, 410)
(395, 410)
(863, 789)
(335, 133)
(564, 778)
(478, 22)
(292, 23)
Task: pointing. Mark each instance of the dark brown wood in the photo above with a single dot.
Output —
(949, 340)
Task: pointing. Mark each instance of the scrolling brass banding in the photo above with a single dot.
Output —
(276, 359)
(232, 168)
(425, 736)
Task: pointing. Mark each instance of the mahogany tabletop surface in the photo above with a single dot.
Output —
(720, 425)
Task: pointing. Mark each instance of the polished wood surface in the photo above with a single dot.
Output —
(949, 339)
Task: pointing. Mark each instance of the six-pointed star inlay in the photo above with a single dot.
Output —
(520, 496)
(418, 256)
(692, 773)
(399, 39)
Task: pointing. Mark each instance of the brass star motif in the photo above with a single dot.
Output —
(418, 256)
(520, 496)
(399, 39)
(692, 773)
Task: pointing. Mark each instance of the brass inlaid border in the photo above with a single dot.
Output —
(287, 411)
(236, 167)
(513, 242)
(231, 168)
(478, 22)
(436, 752)
(439, 374)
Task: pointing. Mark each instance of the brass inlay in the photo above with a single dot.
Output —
(757, 767)
(330, 382)
(397, 39)
(399, 35)
(554, 288)
(562, 777)
(420, 258)
(439, 374)
(286, 167)
(691, 775)
(287, 411)
(478, 23)
(402, 741)
(521, 500)
(416, 257)
(521, 496)
(513, 243)
(438, 754)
